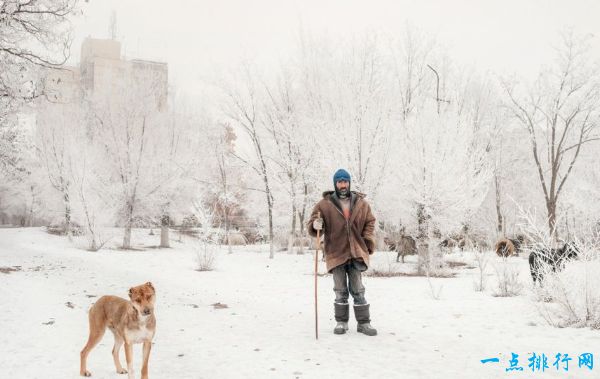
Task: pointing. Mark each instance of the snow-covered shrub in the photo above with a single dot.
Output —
(570, 295)
(435, 291)
(509, 282)
(205, 256)
(481, 261)
(209, 240)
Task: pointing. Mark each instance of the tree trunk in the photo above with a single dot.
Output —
(90, 225)
(500, 224)
(292, 235)
(128, 226)
(422, 240)
(269, 205)
(31, 207)
(127, 236)
(429, 259)
(551, 207)
(423, 256)
(301, 215)
(227, 230)
(67, 201)
(271, 247)
(164, 231)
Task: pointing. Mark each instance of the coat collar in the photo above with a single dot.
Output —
(354, 198)
(360, 195)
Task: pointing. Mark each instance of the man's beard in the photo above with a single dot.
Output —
(343, 193)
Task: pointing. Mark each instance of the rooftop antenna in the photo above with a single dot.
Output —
(112, 27)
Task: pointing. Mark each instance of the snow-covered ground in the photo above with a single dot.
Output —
(267, 329)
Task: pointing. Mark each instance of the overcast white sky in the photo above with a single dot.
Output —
(194, 36)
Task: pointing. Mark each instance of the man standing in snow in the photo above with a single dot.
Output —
(348, 226)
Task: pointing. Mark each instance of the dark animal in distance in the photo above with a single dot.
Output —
(506, 247)
(452, 242)
(555, 259)
(405, 245)
(517, 243)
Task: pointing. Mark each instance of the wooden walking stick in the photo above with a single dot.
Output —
(316, 271)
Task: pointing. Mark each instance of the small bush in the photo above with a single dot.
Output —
(509, 282)
(481, 262)
(205, 257)
(570, 296)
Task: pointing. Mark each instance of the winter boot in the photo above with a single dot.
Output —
(361, 312)
(342, 314)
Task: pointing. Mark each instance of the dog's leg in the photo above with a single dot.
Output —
(129, 359)
(96, 333)
(115, 352)
(147, 347)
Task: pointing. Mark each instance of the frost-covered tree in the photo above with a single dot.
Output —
(131, 129)
(409, 57)
(560, 112)
(175, 160)
(444, 175)
(242, 108)
(21, 189)
(580, 204)
(12, 142)
(293, 148)
(34, 36)
(61, 140)
(356, 111)
(223, 184)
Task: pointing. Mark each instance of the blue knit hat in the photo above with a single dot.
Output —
(341, 174)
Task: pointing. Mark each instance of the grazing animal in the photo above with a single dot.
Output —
(448, 243)
(518, 243)
(390, 243)
(405, 246)
(552, 258)
(236, 239)
(130, 322)
(505, 248)
(302, 242)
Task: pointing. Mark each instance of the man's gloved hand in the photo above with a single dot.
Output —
(318, 224)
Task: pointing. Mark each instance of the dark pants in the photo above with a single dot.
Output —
(347, 279)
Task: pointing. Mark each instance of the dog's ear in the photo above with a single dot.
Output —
(131, 292)
(149, 284)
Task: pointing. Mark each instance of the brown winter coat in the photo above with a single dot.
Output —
(345, 240)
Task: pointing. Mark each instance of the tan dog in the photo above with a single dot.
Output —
(130, 321)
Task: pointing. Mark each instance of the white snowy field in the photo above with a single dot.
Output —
(267, 329)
